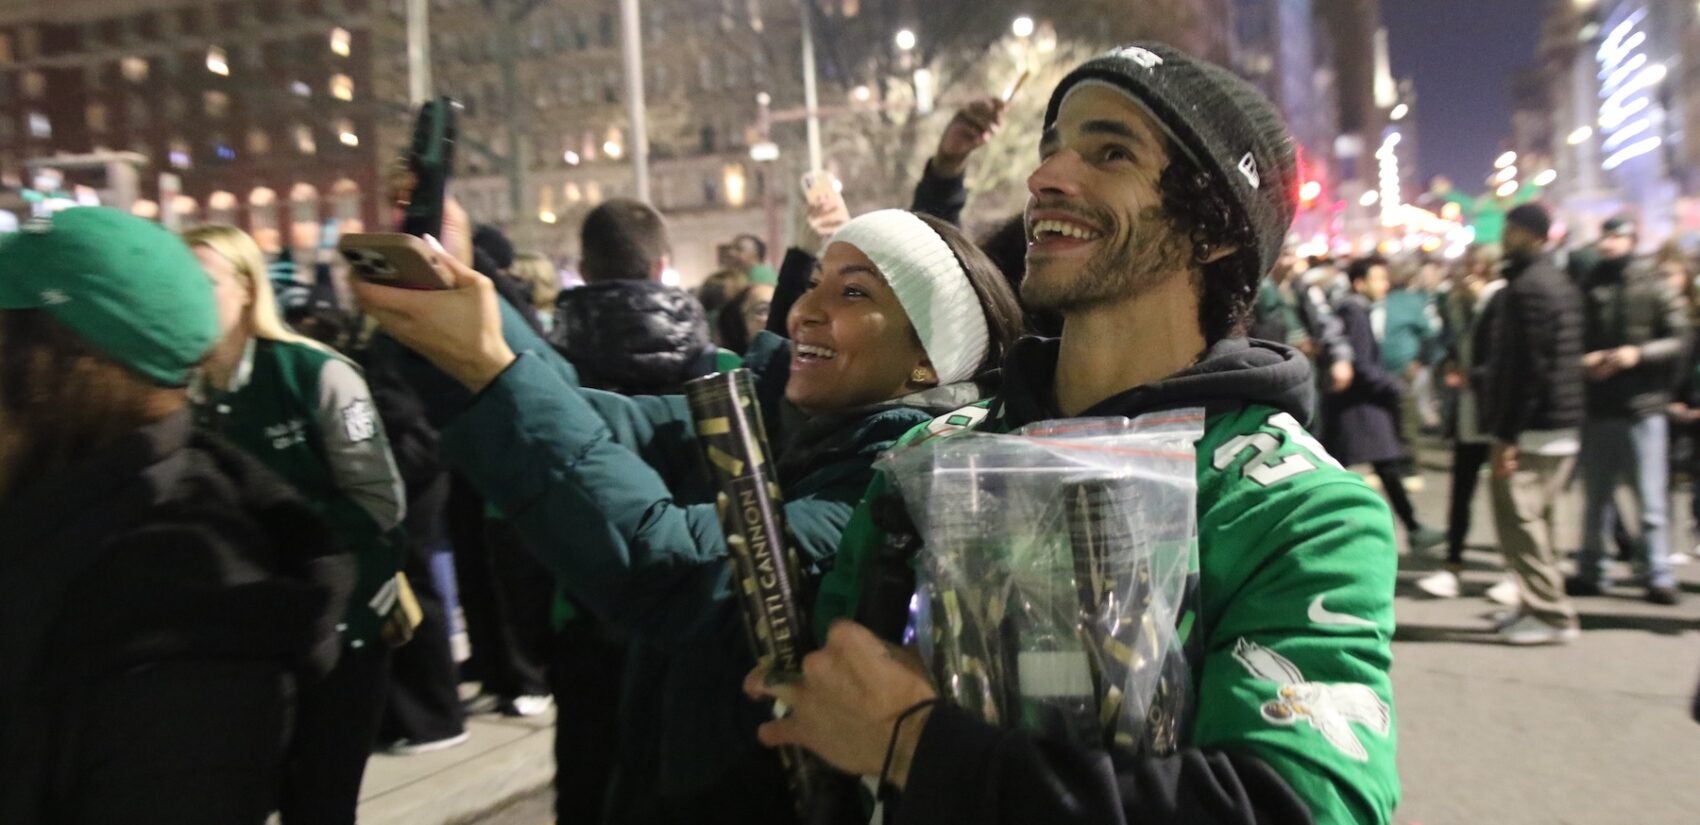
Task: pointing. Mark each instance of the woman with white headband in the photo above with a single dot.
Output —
(902, 315)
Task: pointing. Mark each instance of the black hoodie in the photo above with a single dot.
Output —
(1232, 373)
(1025, 779)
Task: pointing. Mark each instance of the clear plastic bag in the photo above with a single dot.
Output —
(1055, 566)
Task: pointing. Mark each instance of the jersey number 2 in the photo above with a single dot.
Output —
(1265, 467)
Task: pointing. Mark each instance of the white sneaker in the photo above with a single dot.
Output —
(408, 747)
(529, 705)
(1529, 630)
(1441, 585)
(1505, 593)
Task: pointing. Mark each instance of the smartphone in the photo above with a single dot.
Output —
(424, 171)
(820, 189)
(395, 259)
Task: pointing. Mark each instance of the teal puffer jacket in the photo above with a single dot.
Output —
(610, 493)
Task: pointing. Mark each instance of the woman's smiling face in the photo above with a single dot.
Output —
(852, 342)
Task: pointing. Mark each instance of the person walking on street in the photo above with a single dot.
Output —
(1363, 420)
(1468, 315)
(1636, 334)
(1533, 407)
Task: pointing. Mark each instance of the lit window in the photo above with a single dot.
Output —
(97, 117)
(217, 62)
(304, 141)
(345, 133)
(342, 87)
(222, 149)
(5, 50)
(733, 180)
(221, 202)
(35, 85)
(185, 205)
(40, 126)
(216, 104)
(259, 142)
(340, 42)
(301, 89)
(135, 68)
(179, 154)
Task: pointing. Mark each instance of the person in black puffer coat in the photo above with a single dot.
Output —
(1532, 406)
(628, 333)
(162, 595)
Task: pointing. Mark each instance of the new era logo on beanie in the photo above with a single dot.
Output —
(1223, 123)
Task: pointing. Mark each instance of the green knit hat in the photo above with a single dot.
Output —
(127, 286)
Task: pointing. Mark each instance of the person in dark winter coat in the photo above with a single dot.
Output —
(631, 334)
(1636, 333)
(1363, 420)
(1532, 403)
(162, 595)
(609, 491)
(625, 330)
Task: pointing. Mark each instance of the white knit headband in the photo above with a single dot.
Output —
(930, 284)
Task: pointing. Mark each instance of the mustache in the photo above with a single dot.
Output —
(1098, 217)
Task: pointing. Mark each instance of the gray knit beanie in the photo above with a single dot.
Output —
(1234, 134)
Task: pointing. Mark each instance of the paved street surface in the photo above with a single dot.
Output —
(1593, 733)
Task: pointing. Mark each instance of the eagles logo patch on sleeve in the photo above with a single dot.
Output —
(360, 421)
(1329, 708)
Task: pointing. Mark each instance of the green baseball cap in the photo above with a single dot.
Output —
(127, 286)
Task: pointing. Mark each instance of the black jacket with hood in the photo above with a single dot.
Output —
(157, 604)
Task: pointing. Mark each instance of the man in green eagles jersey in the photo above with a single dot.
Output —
(1164, 191)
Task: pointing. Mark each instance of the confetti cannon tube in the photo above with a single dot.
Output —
(734, 444)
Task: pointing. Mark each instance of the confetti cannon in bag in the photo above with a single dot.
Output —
(733, 439)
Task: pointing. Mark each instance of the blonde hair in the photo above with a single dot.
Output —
(249, 263)
(541, 274)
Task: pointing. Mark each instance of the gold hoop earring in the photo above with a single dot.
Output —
(921, 375)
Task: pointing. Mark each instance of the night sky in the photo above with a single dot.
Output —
(1461, 54)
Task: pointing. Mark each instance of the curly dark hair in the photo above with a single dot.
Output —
(1199, 209)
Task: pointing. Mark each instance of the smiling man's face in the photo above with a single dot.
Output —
(1096, 228)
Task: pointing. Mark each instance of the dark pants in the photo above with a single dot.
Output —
(1392, 475)
(505, 595)
(525, 591)
(423, 704)
(335, 724)
(1467, 462)
(585, 672)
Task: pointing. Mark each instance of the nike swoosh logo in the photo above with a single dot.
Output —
(1322, 615)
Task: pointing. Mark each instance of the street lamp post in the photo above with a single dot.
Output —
(631, 39)
(765, 153)
(418, 51)
(811, 100)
